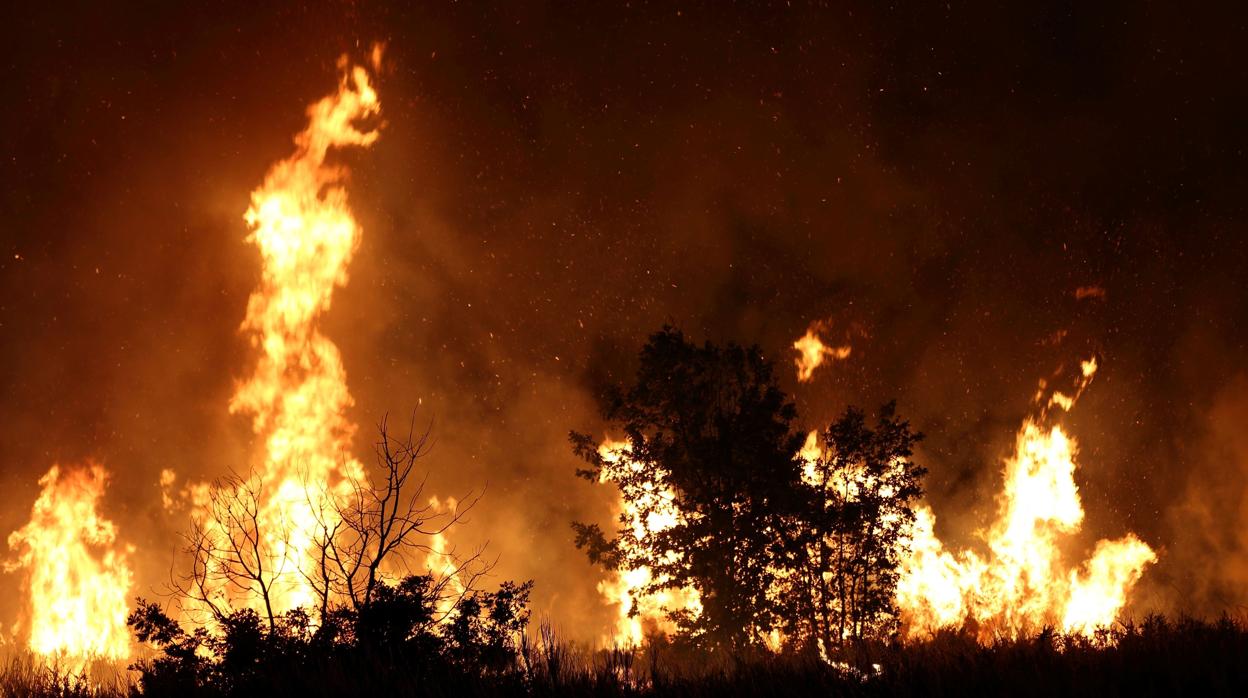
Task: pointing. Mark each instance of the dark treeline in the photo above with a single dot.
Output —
(1154, 658)
(793, 555)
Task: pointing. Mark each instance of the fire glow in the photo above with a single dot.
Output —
(639, 613)
(298, 395)
(78, 574)
(812, 352)
(1022, 585)
(78, 571)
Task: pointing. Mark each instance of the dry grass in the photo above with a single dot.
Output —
(1155, 657)
(27, 675)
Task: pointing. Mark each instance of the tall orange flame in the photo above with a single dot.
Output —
(1023, 584)
(449, 573)
(79, 576)
(298, 394)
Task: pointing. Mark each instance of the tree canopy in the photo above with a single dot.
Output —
(718, 500)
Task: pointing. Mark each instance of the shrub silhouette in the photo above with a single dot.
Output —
(1155, 657)
(399, 632)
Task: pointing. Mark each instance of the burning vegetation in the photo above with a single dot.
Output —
(737, 531)
(298, 394)
(832, 545)
(77, 572)
(1022, 585)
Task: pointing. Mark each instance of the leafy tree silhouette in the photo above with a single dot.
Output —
(852, 535)
(769, 540)
(712, 424)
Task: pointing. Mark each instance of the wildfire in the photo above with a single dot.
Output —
(298, 394)
(840, 487)
(447, 571)
(639, 612)
(812, 352)
(1023, 584)
(79, 576)
(298, 399)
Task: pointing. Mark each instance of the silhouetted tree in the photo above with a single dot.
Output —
(711, 425)
(382, 524)
(370, 605)
(232, 552)
(373, 527)
(853, 535)
(484, 632)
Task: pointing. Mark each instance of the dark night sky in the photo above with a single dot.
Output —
(555, 181)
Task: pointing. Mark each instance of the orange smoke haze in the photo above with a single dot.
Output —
(543, 196)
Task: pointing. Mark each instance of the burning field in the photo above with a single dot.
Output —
(878, 362)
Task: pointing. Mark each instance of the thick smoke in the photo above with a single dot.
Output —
(554, 183)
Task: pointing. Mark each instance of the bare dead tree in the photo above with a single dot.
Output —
(233, 553)
(373, 528)
(382, 527)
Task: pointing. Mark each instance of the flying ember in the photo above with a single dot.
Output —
(812, 352)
